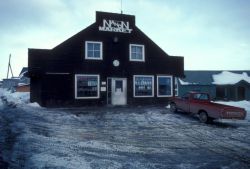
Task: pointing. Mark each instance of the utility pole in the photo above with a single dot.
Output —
(121, 7)
(9, 68)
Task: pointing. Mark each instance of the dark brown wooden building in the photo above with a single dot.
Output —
(110, 62)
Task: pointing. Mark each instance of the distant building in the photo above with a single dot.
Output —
(14, 82)
(23, 87)
(23, 76)
(110, 62)
(222, 85)
(11, 83)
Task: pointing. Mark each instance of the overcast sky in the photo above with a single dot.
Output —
(210, 34)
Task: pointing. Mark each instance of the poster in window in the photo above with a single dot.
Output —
(87, 86)
(143, 86)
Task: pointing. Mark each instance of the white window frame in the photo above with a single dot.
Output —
(98, 86)
(86, 50)
(130, 53)
(171, 77)
(177, 87)
(143, 76)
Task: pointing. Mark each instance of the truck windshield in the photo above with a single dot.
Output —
(201, 96)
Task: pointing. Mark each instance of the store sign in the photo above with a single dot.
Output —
(115, 26)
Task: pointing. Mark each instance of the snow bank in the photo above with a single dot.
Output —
(19, 98)
(1, 104)
(35, 104)
(243, 104)
(226, 77)
(2, 93)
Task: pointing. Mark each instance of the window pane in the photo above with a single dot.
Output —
(90, 53)
(119, 85)
(143, 86)
(200, 96)
(197, 96)
(133, 49)
(87, 86)
(90, 46)
(164, 86)
(139, 56)
(204, 97)
(136, 56)
(133, 55)
(139, 49)
(97, 46)
(96, 54)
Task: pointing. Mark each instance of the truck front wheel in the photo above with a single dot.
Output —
(173, 108)
(204, 117)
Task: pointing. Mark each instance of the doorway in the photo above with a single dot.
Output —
(117, 91)
(241, 93)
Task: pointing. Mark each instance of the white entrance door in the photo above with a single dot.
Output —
(119, 91)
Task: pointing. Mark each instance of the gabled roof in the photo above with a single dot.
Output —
(107, 28)
(225, 78)
(99, 21)
(207, 77)
(24, 69)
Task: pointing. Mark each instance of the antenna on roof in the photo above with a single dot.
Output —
(9, 68)
(121, 7)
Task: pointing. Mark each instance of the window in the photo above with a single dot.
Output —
(93, 50)
(143, 86)
(119, 86)
(136, 53)
(221, 92)
(87, 86)
(164, 86)
(201, 96)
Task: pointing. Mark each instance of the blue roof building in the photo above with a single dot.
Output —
(221, 85)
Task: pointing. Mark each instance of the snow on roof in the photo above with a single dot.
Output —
(22, 84)
(24, 69)
(22, 74)
(17, 78)
(186, 83)
(225, 78)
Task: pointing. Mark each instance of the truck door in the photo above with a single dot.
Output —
(184, 102)
(197, 100)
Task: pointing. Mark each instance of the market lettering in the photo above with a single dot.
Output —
(115, 26)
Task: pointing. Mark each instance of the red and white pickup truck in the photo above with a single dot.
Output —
(199, 103)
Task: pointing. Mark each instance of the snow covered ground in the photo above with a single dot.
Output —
(117, 137)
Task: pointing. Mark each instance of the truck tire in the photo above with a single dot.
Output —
(203, 117)
(173, 108)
